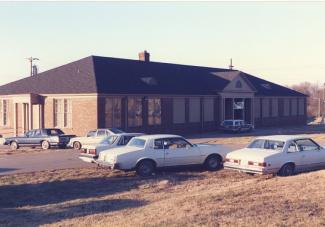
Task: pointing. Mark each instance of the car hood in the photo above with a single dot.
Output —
(251, 154)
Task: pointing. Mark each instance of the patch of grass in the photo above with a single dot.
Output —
(186, 197)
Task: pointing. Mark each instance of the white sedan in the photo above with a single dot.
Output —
(89, 153)
(92, 137)
(146, 153)
(282, 155)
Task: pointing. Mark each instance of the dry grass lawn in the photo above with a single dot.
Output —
(91, 197)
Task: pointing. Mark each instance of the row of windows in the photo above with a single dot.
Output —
(262, 107)
(113, 111)
(4, 107)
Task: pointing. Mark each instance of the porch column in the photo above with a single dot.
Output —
(30, 115)
(232, 108)
(15, 119)
(253, 111)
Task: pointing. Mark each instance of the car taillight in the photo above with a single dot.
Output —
(92, 151)
(261, 164)
(232, 160)
(83, 151)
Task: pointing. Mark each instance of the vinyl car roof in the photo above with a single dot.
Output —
(284, 138)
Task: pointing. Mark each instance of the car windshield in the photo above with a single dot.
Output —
(116, 131)
(54, 132)
(108, 140)
(137, 142)
(267, 144)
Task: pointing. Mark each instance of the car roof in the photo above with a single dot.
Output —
(130, 134)
(284, 137)
(158, 136)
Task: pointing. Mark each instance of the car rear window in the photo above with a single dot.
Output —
(136, 142)
(54, 132)
(267, 144)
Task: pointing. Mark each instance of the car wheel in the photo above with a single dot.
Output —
(14, 145)
(145, 168)
(45, 145)
(212, 163)
(77, 145)
(287, 170)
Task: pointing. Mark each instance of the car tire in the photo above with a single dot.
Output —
(213, 163)
(145, 168)
(45, 145)
(287, 170)
(14, 145)
(77, 145)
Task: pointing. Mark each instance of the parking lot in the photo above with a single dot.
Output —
(53, 187)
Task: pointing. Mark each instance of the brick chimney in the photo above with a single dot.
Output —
(144, 56)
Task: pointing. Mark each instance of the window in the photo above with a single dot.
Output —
(109, 140)
(134, 112)
(159, 144)
(274, 107)
(113, 112)
(306, 145)
(294, 106)
(4, 106)
(179, 110)
(265, 107)
(301, 107)
(124, 140)
(38, 133)
(91, 134)
(101, 133)
(176, 143)
(54, 132)
(194, 110)
(286, 107)
(154, 111)
(292, 148)
(267, 144)
(62, 113)
(208, 109)
(136, 142)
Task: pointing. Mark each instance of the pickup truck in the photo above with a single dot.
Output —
(45, 138)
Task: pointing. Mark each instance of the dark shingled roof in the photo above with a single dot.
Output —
(106, 75)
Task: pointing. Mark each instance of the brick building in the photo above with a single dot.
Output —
(140, 95)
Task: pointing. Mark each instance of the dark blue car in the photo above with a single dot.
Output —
(45, 138)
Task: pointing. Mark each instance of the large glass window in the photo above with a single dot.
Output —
(62, 113)
(194, 110)
(134, 111)
(275, 107)
(154, 111)
(286, 107)
(179, 110)
(4, 106)
(208, 104)
(294, 107)
(113, 112)
(265, 107)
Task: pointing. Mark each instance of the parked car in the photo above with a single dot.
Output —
(282, 155)
(236, 126)
(146, 153)
(93, 137)
(89, 153)
(46, 138)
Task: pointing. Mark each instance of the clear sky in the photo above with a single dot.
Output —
(278, 41)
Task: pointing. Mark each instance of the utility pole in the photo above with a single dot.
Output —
(31, 59)
(231, 66)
